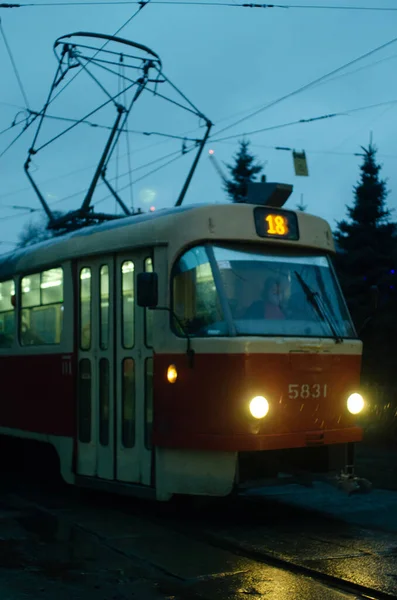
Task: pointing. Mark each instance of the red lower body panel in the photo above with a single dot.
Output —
(38, 394)
(207, 407)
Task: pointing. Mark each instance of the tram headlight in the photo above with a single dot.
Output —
(172, 374)
(259, 407)
(355, 403)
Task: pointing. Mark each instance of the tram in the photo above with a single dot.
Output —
(197, 350)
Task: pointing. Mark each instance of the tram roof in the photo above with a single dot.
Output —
(176, 227)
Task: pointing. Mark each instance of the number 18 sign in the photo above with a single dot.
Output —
(275, 223)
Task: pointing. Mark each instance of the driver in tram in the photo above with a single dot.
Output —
(269, 307)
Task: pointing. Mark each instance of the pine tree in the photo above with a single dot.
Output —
(243, 170)
(366, 242)
(366, 256)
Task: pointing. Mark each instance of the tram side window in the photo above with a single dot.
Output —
(149, 313)
(128, 403)
(42, 308)
(195, 299)
(7, 314)
(104, 312)
(85, 309)
(127, 278)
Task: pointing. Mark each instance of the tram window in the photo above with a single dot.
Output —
(7, 314)
(149, 313)
(104, 312)
(127, 278)
(128, 403)
(104, 401)
(31, 291)
(42, 308)
(195, 299)
(267, 296)
(85, 308)
(85, 401)
(52, 286)
(148, 402)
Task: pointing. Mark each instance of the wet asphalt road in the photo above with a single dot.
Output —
(59, 542)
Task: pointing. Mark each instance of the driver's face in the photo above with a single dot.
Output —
(273, 294)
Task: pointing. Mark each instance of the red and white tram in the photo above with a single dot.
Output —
(188, 351)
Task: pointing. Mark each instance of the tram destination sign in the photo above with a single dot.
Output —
(274, 223)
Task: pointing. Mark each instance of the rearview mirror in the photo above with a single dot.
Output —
(147, 292)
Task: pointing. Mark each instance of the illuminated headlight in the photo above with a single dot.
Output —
(259, 407)
(355, 403)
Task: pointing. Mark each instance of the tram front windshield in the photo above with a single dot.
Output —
(220, 291)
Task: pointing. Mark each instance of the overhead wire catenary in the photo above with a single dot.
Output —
(142, 4)
(307, 120)
(233, 4)
(306, 86)
(14, 66)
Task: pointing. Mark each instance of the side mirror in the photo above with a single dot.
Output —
(374, 298)
(147, 292)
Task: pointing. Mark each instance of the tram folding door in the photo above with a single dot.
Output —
(115, 371)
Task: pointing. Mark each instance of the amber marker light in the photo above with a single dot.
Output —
(259, 407)
(355, 403)
(172, 374)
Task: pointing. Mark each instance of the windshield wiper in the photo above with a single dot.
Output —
(316, 301)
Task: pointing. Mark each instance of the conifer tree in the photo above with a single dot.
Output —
(366, 257)
(244, 169)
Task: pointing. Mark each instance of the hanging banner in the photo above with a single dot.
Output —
(300, 164)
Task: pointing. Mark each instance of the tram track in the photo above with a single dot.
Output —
(190, 526)
(338, 583)
(275, 559)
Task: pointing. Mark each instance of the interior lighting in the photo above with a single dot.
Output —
(50, 284)
(128, 267)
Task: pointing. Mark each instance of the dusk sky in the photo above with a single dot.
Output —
(229, 61)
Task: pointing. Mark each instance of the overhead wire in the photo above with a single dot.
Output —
(142, 4)
(307, 86)
(19, 215)
(307, 120)
(15, 139)
(170, 136)
(8, 128)
(109, 128)
(23, 92)
(233, 4)
(222, 140)
(14, 66)
(309, 151)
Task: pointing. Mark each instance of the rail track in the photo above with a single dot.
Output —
(198, 526)
(268, 557)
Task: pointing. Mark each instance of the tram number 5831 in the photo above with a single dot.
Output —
(305, 390)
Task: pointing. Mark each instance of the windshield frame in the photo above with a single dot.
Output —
(275, 249)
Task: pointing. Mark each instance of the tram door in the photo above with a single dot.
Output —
(115, 370)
